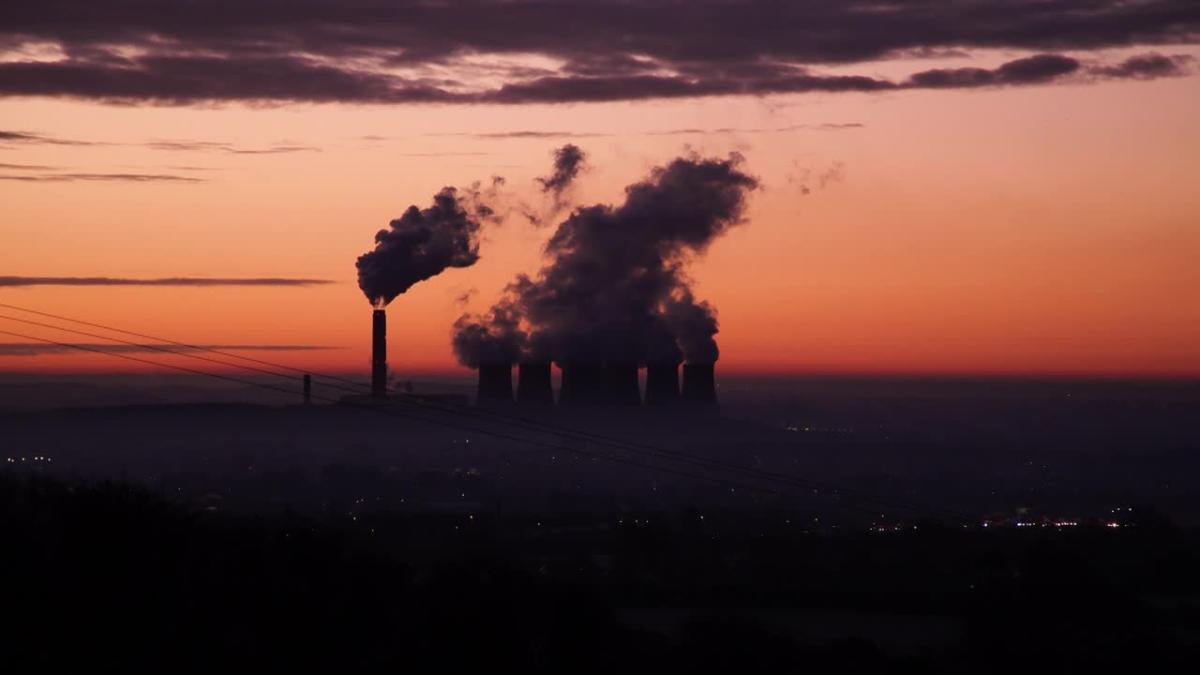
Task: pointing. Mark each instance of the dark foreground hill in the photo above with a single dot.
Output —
(111, 578)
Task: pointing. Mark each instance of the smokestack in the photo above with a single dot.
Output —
(623, 384)
(379, 353)
(662, 384)
(533, 384)
(699, 386)
(495, 384)
(584, 385)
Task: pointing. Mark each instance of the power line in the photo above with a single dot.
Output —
(427, 420)
(173, 352)
(161, 348)
(511, 420)
(180, 344)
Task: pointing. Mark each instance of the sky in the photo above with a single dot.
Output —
(978, 187)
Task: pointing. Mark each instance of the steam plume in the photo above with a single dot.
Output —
(568, 161)
(614, 289)
(421, 244)
(694, 325)
(494, 338)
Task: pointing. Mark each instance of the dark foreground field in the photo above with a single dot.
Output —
(112, 578)
(813, 525)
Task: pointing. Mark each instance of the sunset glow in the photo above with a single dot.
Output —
(1041, 229)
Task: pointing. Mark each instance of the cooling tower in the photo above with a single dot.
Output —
(699, 386)
(584, 385)
(379, 353)
(495, 384)
(623, 384)
(533, 384)
(662, 384)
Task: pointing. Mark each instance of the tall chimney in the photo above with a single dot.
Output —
(699, 386)
(533, 384)
(379, 354)
(623, 384)
(662, 384)
(495, 384)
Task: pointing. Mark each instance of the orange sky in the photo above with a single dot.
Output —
(1037, 230)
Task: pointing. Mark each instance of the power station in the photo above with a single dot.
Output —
(613, 297)
(591, 385)
(584, 385)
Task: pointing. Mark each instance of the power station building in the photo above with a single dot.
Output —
(590, 385)
(584, 385)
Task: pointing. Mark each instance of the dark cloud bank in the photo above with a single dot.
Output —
(615, 287)
(380, 51)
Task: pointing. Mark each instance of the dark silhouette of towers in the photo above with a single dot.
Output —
(589, 385)
(662, 384)
(586, 384)
(583, 384)
(622, 381)
(379, 353)
(699, 385)
(533, 384)
(495, 384)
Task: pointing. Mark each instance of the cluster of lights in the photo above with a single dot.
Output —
(1056, 523)
(1060, 523)
(637, 521)
(839, 430)
(35, 458)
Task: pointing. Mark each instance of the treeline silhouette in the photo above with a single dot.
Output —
(112, 578)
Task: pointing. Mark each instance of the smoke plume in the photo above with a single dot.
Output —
(494, 338)
(808, 180)
(614, 288)
(568, 161)
(422, 243)
(694, 325)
